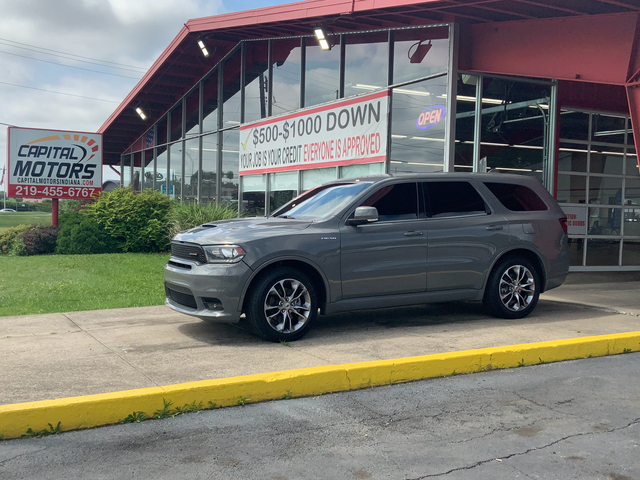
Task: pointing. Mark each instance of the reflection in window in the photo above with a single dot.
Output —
(631, 163)
(631, 252)
(632, 222)
(604, 221)
(602, 252)
(191, 148)
(283, 186)
(161, 169)
(193, 111)
(419, 53)
(418, 127)
(210, 102)
(230, 166)
(231, 91)
(176, 122)
(312, 178)
(253, 195)
(570, 160)
(208, 174)
(608, 129)
(125, 168)
(322, 74)
(175, 170)
(605, 191)
(285, 91)
(360, 170)
(632, 191)
(255, 80)
(147, 175)
(366, 62)
(606, 163)
(572, 188)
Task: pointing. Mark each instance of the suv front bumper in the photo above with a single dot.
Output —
(208, 291)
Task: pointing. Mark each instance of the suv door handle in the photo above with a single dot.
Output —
(412, 234)
(494, 227)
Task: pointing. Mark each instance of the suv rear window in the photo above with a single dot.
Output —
(517, 198)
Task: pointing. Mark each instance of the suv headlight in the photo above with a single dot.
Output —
(224, 253)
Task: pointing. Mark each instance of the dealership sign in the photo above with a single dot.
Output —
(53, 164)
(346, 132)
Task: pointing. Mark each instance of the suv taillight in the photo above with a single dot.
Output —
(563, 224)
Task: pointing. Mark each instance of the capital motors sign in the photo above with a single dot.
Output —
(53, 163)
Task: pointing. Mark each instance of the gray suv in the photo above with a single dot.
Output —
(374, 242)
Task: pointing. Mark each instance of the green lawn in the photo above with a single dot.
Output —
(67, 283)
(23, 218)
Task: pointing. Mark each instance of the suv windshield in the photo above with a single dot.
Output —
(322, 201)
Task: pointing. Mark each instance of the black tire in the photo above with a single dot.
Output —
(513, 288)
(282, 305)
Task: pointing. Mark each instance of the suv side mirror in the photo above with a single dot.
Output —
(363, 215)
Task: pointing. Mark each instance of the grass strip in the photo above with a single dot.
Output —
(8, 220)
(69, 283)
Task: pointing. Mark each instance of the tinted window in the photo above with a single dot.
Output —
(395, 202)
(516, 198)
(445, 199)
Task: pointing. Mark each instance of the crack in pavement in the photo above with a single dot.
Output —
(506, 457)
(2, 462)
(115, 352)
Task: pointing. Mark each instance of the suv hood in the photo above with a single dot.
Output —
(240, 230)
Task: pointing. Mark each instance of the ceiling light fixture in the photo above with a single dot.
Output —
(322, 37)
(139, 111)
(203, 47)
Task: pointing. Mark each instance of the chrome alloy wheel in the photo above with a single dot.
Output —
(517, 288)
(287, 305)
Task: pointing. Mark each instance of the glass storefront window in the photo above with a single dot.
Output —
(605, 190)
(572, 188)
(607, 163)
(147, 175)
(602, 252)
(210, 102)
(125, 162)
(574, 125)
(285, 91)
(360, 170)
(576, 251)
(193, 111)
(283, 186)
(231, 91)
(322, 73)
(632, 191)
(631, 252)
(136, 182)
(418, 147)
(604, 221)
(253, 195)
(208, 174)
(191, 149)
(572, 158)
(631, 163)
(608, 129)
(256, 78)
(230, 166)
(161, 169)
(419, 53)
(175, 170)
(176, 122)
(312, 178)
(161, 131)
(366, 62)
(632, 222)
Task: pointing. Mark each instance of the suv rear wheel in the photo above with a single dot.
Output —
(513, 288)
(282, 305)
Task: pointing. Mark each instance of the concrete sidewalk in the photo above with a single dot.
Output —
(55, 356)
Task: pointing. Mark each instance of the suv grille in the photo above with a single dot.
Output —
(188, 251)
(184, 299)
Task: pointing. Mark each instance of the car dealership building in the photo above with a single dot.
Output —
(252, 108)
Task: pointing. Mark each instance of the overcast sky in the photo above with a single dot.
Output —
(67, 64)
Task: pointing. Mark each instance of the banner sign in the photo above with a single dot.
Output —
(53, 164)
(346, 132)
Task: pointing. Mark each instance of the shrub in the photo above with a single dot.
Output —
(38, 240)
(138, 221)
(184, 216)
(68, 205)
(82, 234)
(8, 238)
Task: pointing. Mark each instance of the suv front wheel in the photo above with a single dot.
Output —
(282, 305)
(513, 288)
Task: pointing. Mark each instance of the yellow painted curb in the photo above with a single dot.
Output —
(109, 408)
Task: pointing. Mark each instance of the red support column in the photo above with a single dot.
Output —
(54, 212)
